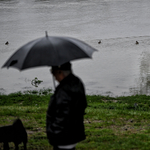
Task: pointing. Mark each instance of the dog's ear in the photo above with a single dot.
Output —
(17, 121)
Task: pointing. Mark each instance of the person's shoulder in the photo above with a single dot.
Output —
(71, 83)
(74, 83)
(75, 79)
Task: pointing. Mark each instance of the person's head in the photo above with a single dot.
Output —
(60, 72)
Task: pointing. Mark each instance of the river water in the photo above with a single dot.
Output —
(120, 67)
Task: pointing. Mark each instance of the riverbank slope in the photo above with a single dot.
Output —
(110, 122)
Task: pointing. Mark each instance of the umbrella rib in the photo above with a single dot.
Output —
(79, 48)
(32, 47)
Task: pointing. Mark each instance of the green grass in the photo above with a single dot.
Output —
(111, 123)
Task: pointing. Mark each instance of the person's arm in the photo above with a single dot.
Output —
(63, 102)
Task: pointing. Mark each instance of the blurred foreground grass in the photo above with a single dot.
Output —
(111, 123)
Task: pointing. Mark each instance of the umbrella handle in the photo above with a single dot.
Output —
(46, 33)
(53, 81)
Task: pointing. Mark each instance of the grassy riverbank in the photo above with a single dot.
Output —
(121, 123)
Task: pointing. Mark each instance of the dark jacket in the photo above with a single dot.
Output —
(64, 121)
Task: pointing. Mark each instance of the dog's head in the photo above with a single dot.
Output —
(17, 123)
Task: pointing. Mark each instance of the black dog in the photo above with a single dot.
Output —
(13, 133)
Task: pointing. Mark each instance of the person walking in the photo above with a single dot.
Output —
(65, 113)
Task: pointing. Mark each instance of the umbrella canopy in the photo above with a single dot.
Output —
(49, 51)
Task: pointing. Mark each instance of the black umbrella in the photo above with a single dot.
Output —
(49, 51)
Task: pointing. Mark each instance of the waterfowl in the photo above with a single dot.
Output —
(99, 42)
(137, 42)
(7, 43)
